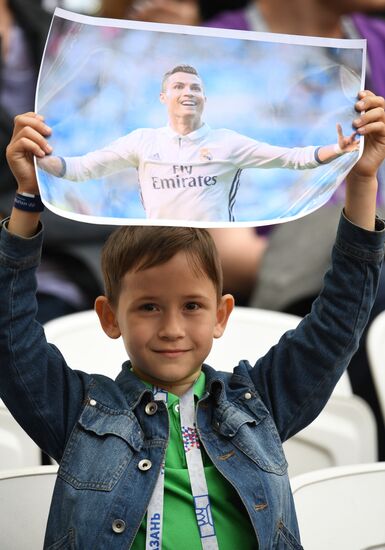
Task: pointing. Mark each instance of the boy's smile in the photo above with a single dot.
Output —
(168, 316)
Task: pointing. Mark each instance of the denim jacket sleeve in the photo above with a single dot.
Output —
(41, 392)
(297, 376)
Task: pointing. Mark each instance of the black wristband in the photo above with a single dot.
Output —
(28, 202)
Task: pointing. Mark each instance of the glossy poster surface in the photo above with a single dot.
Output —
(246, 129)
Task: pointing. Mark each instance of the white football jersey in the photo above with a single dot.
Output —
(191, 177)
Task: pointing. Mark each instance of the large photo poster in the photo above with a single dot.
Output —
(163, 124)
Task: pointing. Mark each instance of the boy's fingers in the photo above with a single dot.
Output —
(34, 121)
(28, 142)
(367, 100)
(33, 135)
(31, 114)
(365, 93)
(376, 114)
(377, 127)
(24, 147)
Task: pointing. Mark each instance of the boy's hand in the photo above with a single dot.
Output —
(370, 124)
(28, 140)
(361, 182)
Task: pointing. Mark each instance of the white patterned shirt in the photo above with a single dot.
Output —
(191, 177)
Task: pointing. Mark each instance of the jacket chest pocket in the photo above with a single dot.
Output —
(254, 434)
(100, 448)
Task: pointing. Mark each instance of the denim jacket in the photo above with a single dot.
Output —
(110, 450)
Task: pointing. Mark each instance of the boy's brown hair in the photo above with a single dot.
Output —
(135, 248)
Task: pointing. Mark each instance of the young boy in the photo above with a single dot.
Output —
(173, 454)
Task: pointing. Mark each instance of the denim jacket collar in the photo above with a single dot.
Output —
(135, 390)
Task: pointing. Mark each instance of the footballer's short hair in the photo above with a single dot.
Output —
(136, 248)
(178, 69)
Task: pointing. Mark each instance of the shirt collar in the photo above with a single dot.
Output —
(192, 136)
(172, 399)
(199, 388)
(134, 388)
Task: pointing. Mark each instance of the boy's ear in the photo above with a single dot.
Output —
(225, 307)
(107, 317)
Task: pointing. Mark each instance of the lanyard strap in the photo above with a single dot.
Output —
(197, 477)
(196, 472)
(155, 508)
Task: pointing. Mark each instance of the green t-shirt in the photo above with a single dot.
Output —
(180, 530)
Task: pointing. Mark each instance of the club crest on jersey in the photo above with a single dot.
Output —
(205, 154)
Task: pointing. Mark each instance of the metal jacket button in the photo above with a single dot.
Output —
(118, 526)
(92, 402)
(151, 408)
(145, 465)
(247, 395)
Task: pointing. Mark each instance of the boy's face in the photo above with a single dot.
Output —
(168, 316)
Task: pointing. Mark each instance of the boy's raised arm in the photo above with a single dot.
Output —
(28, 140)
(296, 378)
(361, 183)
